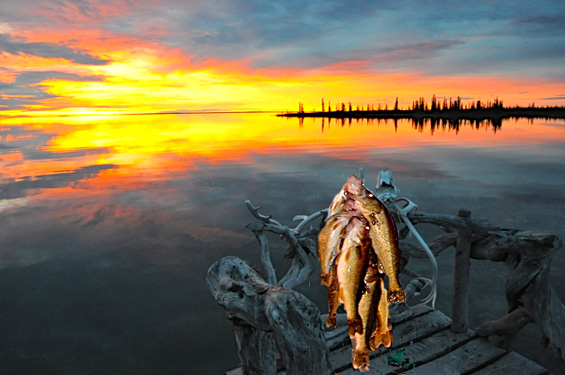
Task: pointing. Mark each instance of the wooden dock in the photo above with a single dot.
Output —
(428, 346)
(425, 344)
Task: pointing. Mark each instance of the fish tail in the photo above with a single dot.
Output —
(381, 339)
(387, 339)
(360, 360)
(331, 320)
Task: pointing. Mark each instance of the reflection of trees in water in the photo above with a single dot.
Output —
(423, 123)
(455, 124)
(419, 124)
(445, 115)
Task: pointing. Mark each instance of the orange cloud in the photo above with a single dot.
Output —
(143, 74)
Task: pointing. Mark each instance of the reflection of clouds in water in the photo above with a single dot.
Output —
(139, 251)
(166, 219)
(87, 224)
(44, 154)
(12, 204)
(22, 187)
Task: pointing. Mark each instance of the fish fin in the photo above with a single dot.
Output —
(355, 326)
(331, 320)
(381, 339)
(360, 360)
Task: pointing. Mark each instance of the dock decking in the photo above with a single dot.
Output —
(431, 347)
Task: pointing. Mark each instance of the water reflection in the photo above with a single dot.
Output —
(110, 223)
(426, 123)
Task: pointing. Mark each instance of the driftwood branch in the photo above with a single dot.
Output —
(270, 274)
(528, 287)
(266, 317)
(300, 245)
(527, 255)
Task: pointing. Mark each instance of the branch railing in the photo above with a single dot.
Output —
(527, 256)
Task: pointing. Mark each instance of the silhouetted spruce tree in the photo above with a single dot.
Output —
(396, 104)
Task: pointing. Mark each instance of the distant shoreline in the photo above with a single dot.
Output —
(495, 114)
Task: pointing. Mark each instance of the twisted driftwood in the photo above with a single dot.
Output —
(527, 256)
(267, 318)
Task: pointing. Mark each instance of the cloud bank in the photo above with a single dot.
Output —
(518, 40)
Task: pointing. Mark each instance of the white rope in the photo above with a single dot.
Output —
(403, 213)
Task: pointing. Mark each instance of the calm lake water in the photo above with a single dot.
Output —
(109, 224)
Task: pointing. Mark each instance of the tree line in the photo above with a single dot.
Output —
(435, 105)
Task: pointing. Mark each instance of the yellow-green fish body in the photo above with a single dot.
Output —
(383, 234)
(373, 310)
(330, 241)
(352, 264)
(367, 308)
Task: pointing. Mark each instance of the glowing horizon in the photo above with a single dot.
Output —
(90, 58)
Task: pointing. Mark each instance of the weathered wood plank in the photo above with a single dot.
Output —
(344, 351)
(419, 352)
(460, 303)
(513, 363)
(463, 360)
(336, 337)
(405, 332)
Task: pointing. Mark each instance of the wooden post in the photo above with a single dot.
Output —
(460, 306)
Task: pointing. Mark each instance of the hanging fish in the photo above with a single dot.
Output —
(352, 264)
(330, 241)
(377, 330)
(382, 231)
(356, 247)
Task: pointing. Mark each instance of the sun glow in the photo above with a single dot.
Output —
(156, 79)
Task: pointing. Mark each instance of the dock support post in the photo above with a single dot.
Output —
(460, 307)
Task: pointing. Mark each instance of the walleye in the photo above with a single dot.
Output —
(356, 247)
(373, 309)
(330, 242)
(382, 231)
(352, 264)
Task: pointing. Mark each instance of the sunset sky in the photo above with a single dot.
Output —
(137, 56)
